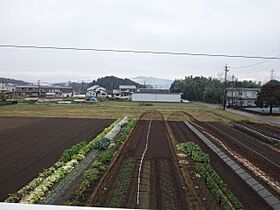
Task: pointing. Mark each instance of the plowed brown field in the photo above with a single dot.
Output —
(28, 145)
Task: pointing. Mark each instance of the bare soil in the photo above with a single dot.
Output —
(29, 145)
(260, 155)
(268, 130)
(165, 189)
(249, 198)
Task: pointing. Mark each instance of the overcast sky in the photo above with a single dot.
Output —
(247, 27)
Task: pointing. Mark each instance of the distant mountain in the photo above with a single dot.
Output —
(112, 82)
(154, 82)
(13, 81)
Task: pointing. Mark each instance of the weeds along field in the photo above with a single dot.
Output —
(29, 145)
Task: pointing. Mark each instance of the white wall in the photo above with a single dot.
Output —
(156, 97)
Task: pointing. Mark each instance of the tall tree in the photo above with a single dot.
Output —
(111, 82)
(269, 96)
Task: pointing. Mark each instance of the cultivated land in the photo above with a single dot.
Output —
(240, 189)
(29, 145)
(116, 109)
(160, 184)
(148, 168)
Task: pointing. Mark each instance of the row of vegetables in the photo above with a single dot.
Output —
(38, 187)
(215, 184)
(101, 163)
(118, 199)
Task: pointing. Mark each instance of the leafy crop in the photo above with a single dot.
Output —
(119, 195)
(100, 165)
(102, 144)
(213, 181)
(36, 189)
(69, 153)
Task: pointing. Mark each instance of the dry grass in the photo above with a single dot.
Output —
(113, 110)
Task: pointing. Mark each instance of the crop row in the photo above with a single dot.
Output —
(213, 181)
(120, 192)
(38, 187)
(99, 166)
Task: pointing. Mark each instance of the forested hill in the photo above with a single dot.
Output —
(205, 89)
(111, 82)
(13, 81)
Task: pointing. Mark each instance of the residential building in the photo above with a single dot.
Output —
(43, 90)
(96, 91)
(124, 92)
(242, 97)
(7, 90)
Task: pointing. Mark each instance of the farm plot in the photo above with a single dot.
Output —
(246, 195)
(263, 157)
(144, 175)
(268, 130)
(27, 148)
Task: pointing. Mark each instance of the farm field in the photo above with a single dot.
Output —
(240, 189)
(160, 186)
(147, 168)
(29, 145)
(262, 156)
(114, 110)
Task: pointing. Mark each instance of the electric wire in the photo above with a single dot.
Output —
(139, 51)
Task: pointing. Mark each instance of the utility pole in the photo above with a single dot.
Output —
(271, 74)
(39, 88)
(225, 88)
(235, 94)
(232, 87)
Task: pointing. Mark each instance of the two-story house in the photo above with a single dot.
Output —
(242, 97)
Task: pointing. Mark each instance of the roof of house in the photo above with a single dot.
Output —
(157, 93)
(240, 88)
(96, 88)
(150, 90)
(127, 87)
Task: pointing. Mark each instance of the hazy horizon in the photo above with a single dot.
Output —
(218, 27)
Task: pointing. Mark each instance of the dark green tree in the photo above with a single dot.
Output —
(111, 82)
(269, 96)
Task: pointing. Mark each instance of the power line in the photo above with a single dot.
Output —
(138, 51)
(250, 65)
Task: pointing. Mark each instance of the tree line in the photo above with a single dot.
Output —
(206, 89)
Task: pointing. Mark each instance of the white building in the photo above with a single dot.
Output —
(7, 90)
(124, 92)
(156, 97)
(96, 91)
(242, 97)
(7, 87)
